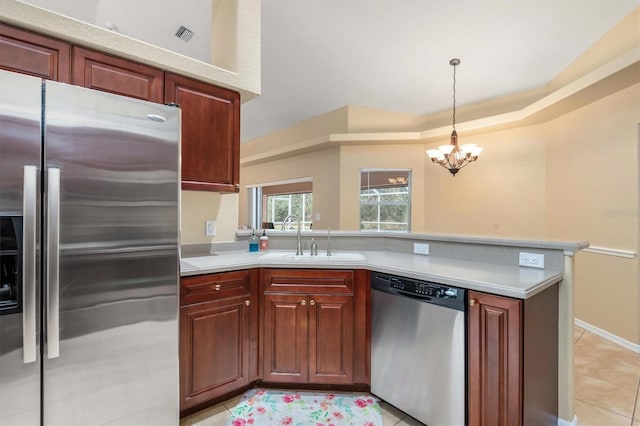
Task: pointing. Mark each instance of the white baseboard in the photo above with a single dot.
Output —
(634, 347)
(562, 422)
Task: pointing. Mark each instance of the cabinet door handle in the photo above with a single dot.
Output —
(247, 302)
(216, 287)
(312, 302)
(303, 302)
(473, 302)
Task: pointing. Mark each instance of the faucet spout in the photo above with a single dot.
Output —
(299, 242)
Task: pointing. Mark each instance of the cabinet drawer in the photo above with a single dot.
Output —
(313, 281)
(202, 288)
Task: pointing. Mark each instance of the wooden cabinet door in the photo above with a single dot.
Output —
(33, 54)
(111, 74)
(495, 360)
(331, 339)
(285, 353)
(214, 349)
(210, 133)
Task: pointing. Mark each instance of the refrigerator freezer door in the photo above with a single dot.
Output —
(20, 158)
(118, 166)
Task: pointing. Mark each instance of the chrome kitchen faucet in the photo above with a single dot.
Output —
(299, 244)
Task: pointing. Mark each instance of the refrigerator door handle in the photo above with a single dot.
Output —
(29, 214)
(53, 262)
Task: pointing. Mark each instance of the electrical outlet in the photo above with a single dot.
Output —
(421, 248)
(210, 228)
(531, 259)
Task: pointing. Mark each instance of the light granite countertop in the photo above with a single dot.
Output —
(505, 280)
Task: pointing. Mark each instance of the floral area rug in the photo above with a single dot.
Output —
(269, 407)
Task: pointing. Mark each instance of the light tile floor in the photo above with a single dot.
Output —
(607, 382)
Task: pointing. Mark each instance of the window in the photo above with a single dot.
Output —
(279, 206)
(270, 204)
(385, 200)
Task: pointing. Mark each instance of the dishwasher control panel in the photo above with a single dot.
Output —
(426, 291)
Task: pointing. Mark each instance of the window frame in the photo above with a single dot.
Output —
(380, 204)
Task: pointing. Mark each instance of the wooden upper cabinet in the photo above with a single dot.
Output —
(29, 53)
(108, 73)
(210, 133)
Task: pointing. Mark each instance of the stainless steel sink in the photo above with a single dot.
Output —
(287, 256)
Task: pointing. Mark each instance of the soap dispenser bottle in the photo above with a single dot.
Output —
(253, 241)
(264, 241)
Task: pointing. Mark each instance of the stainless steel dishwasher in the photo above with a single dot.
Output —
(418, 356)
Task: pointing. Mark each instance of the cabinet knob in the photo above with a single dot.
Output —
(237, 186)
(303, 302)
(247, 302)
(473, 302)
(313, 302)
(216, 287)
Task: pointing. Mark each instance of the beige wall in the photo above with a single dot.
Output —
(501, 194)
(593, 194)
(392, 156)
(199, 206)
(321, 166)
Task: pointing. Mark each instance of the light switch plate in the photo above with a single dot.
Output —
(210, 228)
(421, 248)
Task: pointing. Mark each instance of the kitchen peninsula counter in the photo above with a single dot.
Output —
(504, 280)
(488, 264)
(483, 264)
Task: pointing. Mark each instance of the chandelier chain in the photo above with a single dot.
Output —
(454, 97)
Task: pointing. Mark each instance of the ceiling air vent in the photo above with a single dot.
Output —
(184, 33)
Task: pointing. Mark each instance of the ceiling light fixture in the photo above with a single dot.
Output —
(453, 157)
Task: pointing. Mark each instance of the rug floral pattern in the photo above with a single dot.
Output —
(267, 407)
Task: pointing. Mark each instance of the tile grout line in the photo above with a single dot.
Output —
(635, 404)
(605, 409)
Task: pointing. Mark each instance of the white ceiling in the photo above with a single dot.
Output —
(319, 55)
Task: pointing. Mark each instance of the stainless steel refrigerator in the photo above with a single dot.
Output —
(89, 211)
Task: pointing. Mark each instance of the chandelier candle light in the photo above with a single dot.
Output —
(453, 157)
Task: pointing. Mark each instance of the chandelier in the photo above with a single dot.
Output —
(453, 157)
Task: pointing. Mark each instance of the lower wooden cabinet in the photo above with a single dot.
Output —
(308, 338)
(495, 368)
(315, 327)
(286, 343)
(218, 335)
(513, 359)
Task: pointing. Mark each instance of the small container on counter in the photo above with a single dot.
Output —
(264, 241)
(253, 242)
